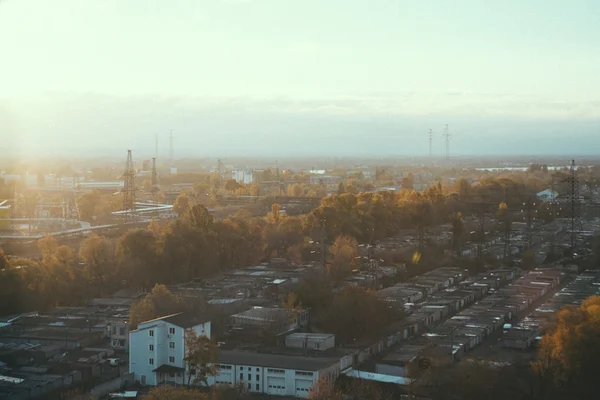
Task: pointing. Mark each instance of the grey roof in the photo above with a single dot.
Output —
(183, 320)
(240, 357)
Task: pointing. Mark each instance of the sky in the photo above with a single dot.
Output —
(295, 77)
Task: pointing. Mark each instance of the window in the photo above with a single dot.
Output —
(122, 331)
(257, 377)
(275, 371)
(171, 359)
(257, 369)
(304, 373)
(171, 345)
(249, 377)
(317, 345)
(221, 366)
(114, 330)
(172, 375)
(257, 387)
(171, 331)
(151, 347)
(151, 361)
(241, 376)
(241, 368)
(151, 333)
(249, 386)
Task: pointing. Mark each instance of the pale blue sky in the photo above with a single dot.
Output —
(334, 58)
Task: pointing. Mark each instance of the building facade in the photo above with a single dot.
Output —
(157, 348)
(273, 374)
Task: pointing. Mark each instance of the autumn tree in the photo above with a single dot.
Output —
(570, 350)
(342, 257)
(158, 303)
(325, 390)
(99, 256)
(182, 204)
(201, 356)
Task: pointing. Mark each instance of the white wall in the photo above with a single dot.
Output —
(163, 353)
(274, 381)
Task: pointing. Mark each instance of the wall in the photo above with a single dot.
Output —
(112, 386)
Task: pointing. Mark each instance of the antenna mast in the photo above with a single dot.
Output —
(447, 137)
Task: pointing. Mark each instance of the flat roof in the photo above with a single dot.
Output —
(302, 363)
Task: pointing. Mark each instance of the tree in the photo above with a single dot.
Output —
(570, 350)
(528, 260)
(408, 182)
(182, 204)
(324, 390)
(201, 356)
(4, 263)
(158, 303)
(231, 185)
(140, 252)
(457, 229)
(99, 256)
(342, 257)
(174, 393)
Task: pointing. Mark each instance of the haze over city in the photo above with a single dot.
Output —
(270, 77)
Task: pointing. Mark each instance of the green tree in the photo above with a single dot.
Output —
(201, 356)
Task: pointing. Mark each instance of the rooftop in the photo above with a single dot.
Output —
(241, 357)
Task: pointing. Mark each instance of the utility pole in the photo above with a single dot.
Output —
(447, 137)
(430, 136)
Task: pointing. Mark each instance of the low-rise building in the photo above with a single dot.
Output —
(157, 348)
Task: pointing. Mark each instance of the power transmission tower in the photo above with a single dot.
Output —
(430, 136)
(129, 187)
(447, 137)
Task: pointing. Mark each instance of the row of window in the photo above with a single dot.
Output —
(275, 371)
(151, 332)
(249, 377)
(171, 346)
(249, 369)
(171, 360)
(221, 366)
(304, 373)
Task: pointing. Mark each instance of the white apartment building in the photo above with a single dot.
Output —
(274, 374)
(157, 348)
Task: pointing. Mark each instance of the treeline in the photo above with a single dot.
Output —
(197, 246)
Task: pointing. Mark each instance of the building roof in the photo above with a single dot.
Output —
(183, 320)
(166, 369)
(241, 357)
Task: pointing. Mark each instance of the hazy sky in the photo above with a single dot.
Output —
(246, 74)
